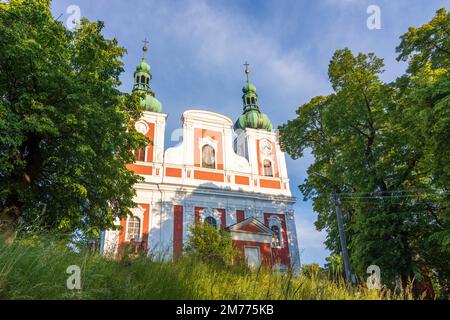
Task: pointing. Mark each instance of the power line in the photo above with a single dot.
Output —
(386, 197)
(396, 191)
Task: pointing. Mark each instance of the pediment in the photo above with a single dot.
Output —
(250, 225)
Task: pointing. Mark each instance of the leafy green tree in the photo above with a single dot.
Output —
(424, 104)
(346, 133)
(382, 147)
(66, 131)
(210, 245)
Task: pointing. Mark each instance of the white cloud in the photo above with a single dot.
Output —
(219, 39)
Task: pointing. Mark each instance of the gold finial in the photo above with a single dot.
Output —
(247, 70)
(145, 47)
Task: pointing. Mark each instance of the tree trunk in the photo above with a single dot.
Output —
(9, 219)
(425, 286)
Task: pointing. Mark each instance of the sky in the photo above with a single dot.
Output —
(197, 50)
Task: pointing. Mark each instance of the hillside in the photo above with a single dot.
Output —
(37, 270)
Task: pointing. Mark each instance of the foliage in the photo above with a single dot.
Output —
(210, 245)
(312, 271)
(424, 101)
(385, 149)
(66, 130)
(36, 269)
(334, 266)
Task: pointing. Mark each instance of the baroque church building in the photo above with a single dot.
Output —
(239, 184)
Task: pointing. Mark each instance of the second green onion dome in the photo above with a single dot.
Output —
(150, 103)
(252, 117)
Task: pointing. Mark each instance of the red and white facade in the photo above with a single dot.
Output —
(238, 182)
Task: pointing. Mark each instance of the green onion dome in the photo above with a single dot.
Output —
(248, 87)
(252, 117)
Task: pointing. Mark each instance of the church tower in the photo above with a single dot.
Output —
(152, 124)
(257, 143)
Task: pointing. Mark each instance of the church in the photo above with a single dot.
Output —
(231, 175)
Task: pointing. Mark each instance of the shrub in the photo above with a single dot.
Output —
(210, 245)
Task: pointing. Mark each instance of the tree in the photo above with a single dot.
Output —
(210, 245)
(372, 141)
(424, 101)
(66, 131)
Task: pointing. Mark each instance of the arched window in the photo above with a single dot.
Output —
(133, 229)
(276, 238)
(143, 79)
(208, 157)
(147, 80)
(137, 79)
(211, 221)
(248, 100)
(268, 172)
(139, 154)
(253, 100)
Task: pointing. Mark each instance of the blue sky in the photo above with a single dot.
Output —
(197, 49)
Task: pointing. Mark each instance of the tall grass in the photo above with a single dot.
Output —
(37, 270)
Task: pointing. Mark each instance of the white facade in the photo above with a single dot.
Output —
(236, 182)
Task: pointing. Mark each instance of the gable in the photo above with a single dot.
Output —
(250, 225)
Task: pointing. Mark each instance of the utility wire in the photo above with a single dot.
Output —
(386, 197)
(397, 191)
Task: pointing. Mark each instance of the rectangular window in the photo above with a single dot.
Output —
(268, 172)
(208, 157)
(240, 216)
(252, 257)
(139, 154)
(133, 229)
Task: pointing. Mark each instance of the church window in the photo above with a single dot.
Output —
(139, 154)
(133, 229)
(208, 157)
(253, 100)
(252, 256)
(143, 79)
(211, 221)
(276, 238)
(268, 172)
(147, 80)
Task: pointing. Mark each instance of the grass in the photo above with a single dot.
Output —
(37, 270)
